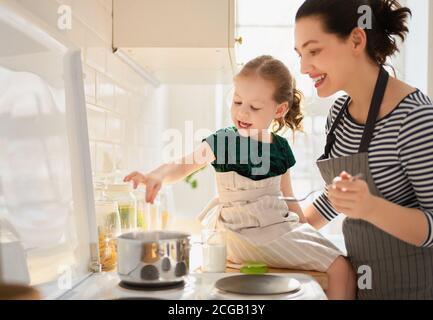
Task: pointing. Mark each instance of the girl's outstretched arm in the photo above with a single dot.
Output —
(172, 172)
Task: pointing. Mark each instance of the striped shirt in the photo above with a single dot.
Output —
(400, 155)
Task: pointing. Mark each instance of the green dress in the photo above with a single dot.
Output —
(249, 157)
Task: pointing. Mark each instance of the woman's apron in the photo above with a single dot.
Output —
(260, 227)
(398, 270)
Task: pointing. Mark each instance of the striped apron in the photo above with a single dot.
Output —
(398, 270)
(260, 227)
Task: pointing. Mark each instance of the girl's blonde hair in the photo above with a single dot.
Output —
(273, 70)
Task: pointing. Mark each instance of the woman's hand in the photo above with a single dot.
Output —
(152, 181)
(351, 196)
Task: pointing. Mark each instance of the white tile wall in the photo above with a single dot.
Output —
(115, 129)
(121, 100)
(96, 119)
(104, 157)
(104, 92)
(195, 105)
(121, 117)
(90, 84)
(126, 115)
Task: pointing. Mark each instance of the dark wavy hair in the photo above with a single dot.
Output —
(340, 17)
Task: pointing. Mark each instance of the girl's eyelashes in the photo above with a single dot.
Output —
(238, 103)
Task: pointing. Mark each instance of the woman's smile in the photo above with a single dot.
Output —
(318, 80)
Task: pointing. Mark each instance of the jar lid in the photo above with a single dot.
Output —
(104, 209)
(140, 189)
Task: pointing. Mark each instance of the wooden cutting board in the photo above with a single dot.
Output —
(18, 292)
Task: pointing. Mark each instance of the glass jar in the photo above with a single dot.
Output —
(143, 213)
(148, 214)
(122, 193)
(214, 250)
(108, 223)
(166, 202)
(142, 210)
(155, 214)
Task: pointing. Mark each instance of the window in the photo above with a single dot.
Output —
(268, 28)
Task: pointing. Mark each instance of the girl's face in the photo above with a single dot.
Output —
(327, 59)
(253, 107)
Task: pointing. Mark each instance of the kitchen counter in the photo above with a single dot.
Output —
(198, 286)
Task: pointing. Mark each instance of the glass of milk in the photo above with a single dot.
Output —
(214, 250)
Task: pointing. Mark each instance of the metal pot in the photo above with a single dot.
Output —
(153, 258)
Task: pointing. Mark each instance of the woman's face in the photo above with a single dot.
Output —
(253, 107)
(326, 58)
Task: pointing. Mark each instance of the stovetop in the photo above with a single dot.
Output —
(197, 286)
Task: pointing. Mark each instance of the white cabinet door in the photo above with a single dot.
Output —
(173, 23)
(178, 41)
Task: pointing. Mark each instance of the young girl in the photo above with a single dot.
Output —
(252, 171)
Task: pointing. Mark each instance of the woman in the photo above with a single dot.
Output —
(381, 129)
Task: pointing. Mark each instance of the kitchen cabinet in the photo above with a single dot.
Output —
(178, 41)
